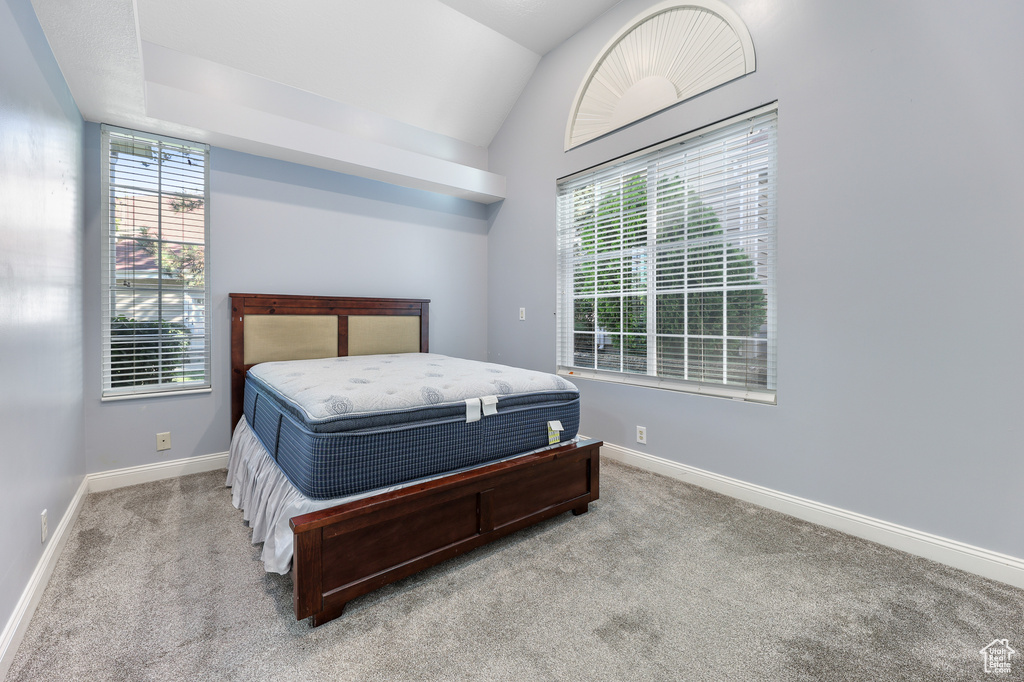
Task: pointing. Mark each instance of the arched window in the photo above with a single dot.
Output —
(668, 54)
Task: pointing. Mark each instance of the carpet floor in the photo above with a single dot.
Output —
(659, 581)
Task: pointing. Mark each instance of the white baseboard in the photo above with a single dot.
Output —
(146, 473)
(988, 564)
(13, 632)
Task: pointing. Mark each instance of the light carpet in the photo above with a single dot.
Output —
(659, 581)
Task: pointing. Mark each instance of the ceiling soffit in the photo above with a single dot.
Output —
(405, 91)
(421, 63)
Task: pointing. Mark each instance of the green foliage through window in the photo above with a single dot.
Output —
(145, 353)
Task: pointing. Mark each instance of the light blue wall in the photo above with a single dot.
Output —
(900, 251)
(41, 459)
(283, 228)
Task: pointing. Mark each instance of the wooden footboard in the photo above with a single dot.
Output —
(349, 550)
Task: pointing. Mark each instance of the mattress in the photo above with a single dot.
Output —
(340, 426)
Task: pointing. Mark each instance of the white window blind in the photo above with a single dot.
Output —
(156, 293)
(666, 264)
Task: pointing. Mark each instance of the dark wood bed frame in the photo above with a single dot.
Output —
(352, 549)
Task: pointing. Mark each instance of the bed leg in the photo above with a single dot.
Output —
(582, 509)
(318, 619)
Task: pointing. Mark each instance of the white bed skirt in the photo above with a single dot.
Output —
(268, 500)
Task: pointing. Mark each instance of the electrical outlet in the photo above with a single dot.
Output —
(641, 434)
(163, 441)
(522, 313)
(45, 528)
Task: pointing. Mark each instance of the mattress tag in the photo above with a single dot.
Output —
(472, 410)
(490, 403)
(554, 432)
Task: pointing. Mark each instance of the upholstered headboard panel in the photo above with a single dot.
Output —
(267, 327)
(370, 335)
(289, 337)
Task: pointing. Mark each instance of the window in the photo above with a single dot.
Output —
(156, 336)
(666, 264)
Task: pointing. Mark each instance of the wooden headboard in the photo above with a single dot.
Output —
(268, 327)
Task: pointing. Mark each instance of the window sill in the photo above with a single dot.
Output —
(154, 394)
(748, 395)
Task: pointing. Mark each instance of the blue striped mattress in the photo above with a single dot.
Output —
(341, 426)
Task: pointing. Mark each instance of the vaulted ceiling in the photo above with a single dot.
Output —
(405, 91)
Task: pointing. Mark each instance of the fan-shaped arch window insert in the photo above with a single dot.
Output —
(668, 54)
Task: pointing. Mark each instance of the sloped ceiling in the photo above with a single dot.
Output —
(405, 91)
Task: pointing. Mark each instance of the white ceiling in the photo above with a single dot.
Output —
(406, 91)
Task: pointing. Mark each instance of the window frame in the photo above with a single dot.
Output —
(109, 278)
(627, 171)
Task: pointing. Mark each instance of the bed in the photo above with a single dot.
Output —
(394, 528)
